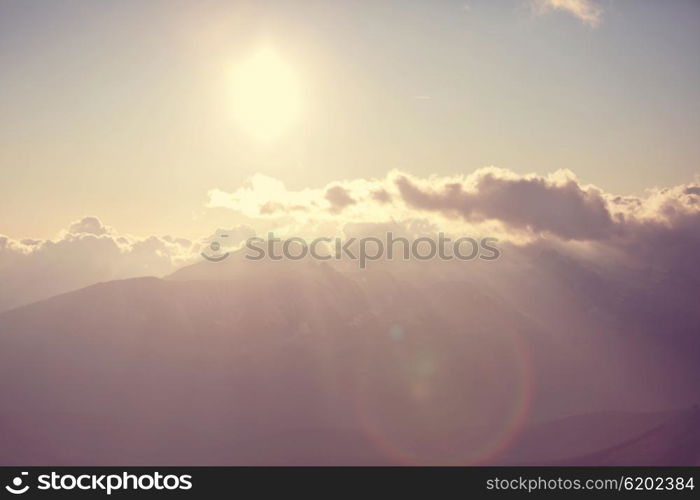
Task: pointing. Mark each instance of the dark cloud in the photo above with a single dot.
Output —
(535, 204)
(381, 195)
(339, 198)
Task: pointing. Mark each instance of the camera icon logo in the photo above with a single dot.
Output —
(16, 487)
(216, 254)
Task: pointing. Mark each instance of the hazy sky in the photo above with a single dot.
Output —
(123, 109)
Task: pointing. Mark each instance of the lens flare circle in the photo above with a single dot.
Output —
(417, 409)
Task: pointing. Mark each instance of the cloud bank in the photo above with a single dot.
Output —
(88, 252)
(657, 233)
(514, 207)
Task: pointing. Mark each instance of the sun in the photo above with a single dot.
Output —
(266, 95)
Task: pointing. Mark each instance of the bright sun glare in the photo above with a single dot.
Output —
(266, 95)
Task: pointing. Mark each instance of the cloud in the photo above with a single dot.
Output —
(262, 195)
(587, 11)
(88, 225)
(339, 198)
(85, 253)
(530, 203)
(489, 200)
(381, 195)
(657, 231)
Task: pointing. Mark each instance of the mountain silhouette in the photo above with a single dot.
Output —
(293, 363)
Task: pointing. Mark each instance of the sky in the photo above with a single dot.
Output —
(135, 135)
(126, 110)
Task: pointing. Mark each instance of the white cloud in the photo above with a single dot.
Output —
(587, 11)
(490, 200)
(86, 253)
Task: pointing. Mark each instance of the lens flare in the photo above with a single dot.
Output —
(432, 403)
